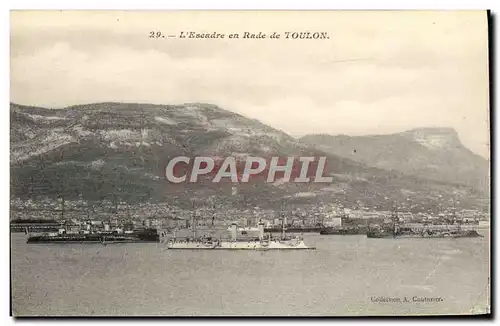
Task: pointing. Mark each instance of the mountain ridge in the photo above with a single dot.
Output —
(435, 153)
(114, 149)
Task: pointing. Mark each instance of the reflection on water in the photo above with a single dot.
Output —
(342, 277)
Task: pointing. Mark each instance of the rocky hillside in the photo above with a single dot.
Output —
(432, 153)
(118, 151)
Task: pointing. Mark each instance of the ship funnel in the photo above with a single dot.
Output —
(261, 231)
(233, 231)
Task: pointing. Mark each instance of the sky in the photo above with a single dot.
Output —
(377, 72)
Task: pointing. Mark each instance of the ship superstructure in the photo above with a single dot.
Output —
(261, 242)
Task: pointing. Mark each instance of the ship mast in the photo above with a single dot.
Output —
(395, 220)
(62, 208)
(213, 215)
(283, 226)
(116, 204)
(212, 231)
(193, 222)
(454, 218)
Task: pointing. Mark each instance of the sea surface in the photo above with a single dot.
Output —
(344, 276)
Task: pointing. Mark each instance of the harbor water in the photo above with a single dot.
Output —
(344, 276)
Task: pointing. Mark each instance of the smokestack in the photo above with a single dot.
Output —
(233, 231)
(261, 231)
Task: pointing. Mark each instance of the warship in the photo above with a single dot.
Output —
(344, 229)
(397, 231)
(261, 242)
(410, 233)
(135, 236)
(297, 229)
(89, 235)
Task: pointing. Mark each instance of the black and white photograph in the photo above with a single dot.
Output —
(198, 163)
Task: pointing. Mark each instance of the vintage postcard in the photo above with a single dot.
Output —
(249, 163)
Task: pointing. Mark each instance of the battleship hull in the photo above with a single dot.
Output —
(440, 235)
(380, 235)
(341, 231)
(148, 236)
(239, 245)
(312, 229)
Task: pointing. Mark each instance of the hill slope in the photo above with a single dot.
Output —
(433, 153)
(118, 151)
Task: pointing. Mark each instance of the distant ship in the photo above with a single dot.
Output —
(105, 236)
(135, 236)
(295, 229)
(261, 242)
(344, 230)
(256, 244)
(397, 231)
(402, 233)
